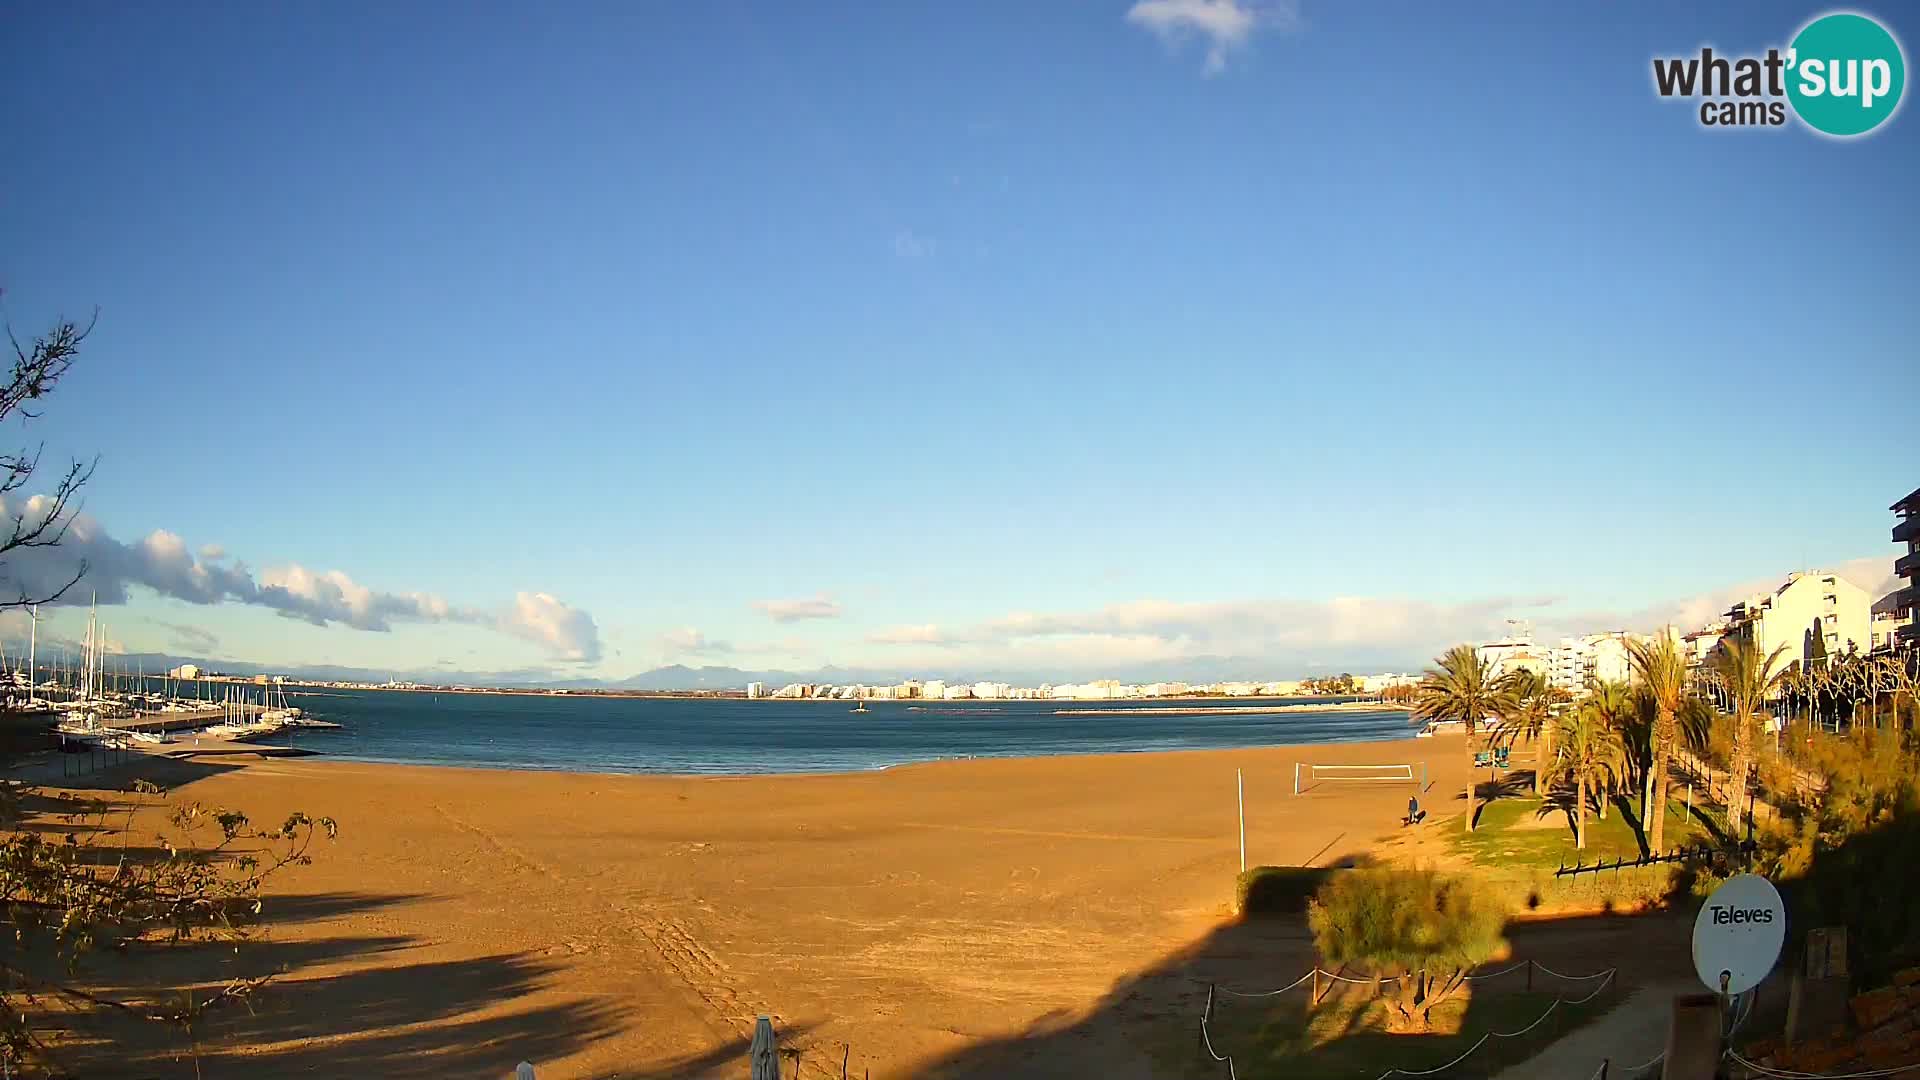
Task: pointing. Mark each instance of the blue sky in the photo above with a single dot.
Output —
(1085, 334)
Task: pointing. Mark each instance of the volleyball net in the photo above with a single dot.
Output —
(1308, 776)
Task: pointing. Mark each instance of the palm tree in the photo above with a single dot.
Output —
(1460, 686)
(1527, 713)
(1661, 671)
(1750, 679)
(1589, 753)
(1612, 704)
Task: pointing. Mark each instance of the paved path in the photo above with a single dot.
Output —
(1630, 1035)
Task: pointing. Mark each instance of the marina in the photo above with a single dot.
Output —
(92, 705)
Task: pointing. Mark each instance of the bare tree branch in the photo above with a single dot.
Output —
(41, 521)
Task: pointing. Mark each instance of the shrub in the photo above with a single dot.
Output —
(1277, 890)
(1424, 929)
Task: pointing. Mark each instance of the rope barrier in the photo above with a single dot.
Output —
(1268, 993)
(1571, 978)
(1557, 1002)
(1608, 973)
(1605, 977)
(1206, 1040)
(1502, 971)
(1788, 1074)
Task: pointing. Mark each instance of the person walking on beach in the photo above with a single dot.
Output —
(1413, 809)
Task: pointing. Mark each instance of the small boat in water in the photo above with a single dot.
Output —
(862, 707)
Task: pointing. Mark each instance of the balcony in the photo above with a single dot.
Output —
(1907, 531)
(1907, 566)
(1905, 600)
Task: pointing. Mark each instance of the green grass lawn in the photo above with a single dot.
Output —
(1345, 1038)
(1505, 836)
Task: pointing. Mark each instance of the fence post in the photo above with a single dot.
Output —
(1316, 984)
(1529, 976)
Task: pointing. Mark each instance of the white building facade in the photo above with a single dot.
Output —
(1810, 604)
(1577, 662)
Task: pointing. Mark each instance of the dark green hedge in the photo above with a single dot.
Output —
(1277, 890)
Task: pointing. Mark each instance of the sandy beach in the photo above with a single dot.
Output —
(913, 919)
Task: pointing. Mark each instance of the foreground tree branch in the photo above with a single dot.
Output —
(86, 888)
(41, 521)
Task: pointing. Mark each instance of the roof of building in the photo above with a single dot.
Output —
(1911, 502)
(1891, 604)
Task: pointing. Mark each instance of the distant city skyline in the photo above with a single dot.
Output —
(1089, 339)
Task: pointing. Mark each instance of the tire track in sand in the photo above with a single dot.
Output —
(680, 952)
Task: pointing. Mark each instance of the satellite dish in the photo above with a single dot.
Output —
(1738, 934)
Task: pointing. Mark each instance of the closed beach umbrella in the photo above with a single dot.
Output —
(765, 1054)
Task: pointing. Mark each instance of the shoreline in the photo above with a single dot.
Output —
(322, 756)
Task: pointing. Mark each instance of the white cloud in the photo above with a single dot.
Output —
(686, 639)
(332, 596)
(1154, 630)
(1226, 25)
(1873, 573)
(565, 631)
(162, 563)
(1291, 635)
(817, 607)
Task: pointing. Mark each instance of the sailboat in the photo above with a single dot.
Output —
(861, 707)
(33, 715)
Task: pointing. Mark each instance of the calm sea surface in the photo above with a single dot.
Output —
(580, 734)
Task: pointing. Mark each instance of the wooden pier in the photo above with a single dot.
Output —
(182, 721)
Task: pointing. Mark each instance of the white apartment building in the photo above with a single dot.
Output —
(1576, 662)
(933, 689)
(1699, 645)
(991, 690)
(1810, 603)
(1889, 618)
(1097, 690)
(1514, 651)
(756, 690)
(1373, 684)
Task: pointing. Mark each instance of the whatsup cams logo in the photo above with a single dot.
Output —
(1843, 75)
